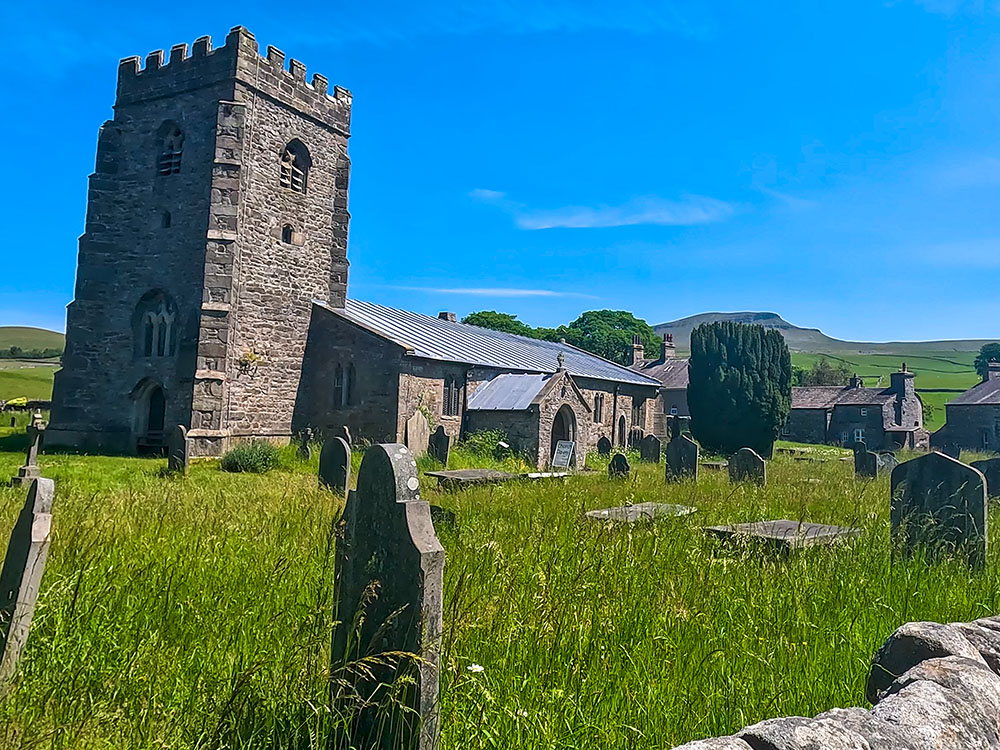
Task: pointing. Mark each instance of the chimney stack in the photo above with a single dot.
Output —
(449, 316)
(669, 350)
(993, 370)
(901, 382)
(638, 351)
(856, 382)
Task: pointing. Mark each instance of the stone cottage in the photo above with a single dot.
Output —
(671, 372)
(973, 419)
(370, 367)
(885, 418)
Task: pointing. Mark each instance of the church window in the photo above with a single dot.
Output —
(172, 140)
(155, 326)
(599, 408)
(343, 386)
(165, 220)
(286, 233)
(294, 169)
(452, 404)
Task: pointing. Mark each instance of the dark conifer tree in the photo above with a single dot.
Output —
(740, 387)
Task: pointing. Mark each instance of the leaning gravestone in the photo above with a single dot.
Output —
(30, 471)
(603, 447)
(619, 467)
(335, 465)
(27, 551)
(939, 503)
(747, 466)
(991, 470)
(418, 434)
(439, 445)
(682, 459)
(178, 451)
(305, 447)
(390, 570)
(649, 449)
(886, 462)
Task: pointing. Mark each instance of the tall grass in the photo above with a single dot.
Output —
(195, 612)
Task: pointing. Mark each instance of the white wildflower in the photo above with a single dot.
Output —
(475, 668)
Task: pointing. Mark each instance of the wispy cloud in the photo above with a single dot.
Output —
(686, 211)
(492, 291)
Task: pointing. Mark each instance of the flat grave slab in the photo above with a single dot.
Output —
(640, 512)
(454, 479)
(787, 534)
(714, 465)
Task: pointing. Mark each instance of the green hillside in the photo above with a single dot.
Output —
(30, 338)
(19, 379)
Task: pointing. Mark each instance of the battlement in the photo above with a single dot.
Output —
(238, 60)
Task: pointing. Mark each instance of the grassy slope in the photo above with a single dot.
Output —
(30, 338)
(196, 612)
(19, 379)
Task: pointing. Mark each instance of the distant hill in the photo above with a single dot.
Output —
(812, 339)
(31, 338)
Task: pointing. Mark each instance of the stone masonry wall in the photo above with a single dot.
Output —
(806, 426)
(967, 425)
(421, 386)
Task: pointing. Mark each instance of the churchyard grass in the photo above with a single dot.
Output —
(183, 612)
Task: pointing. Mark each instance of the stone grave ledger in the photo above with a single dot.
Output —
(21, 576)
(939, 504)
(335, 465)
(390, 568)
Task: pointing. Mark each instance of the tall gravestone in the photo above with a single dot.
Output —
(21, 576)
(335, 465)
(418, 433)
(619, 467)
(991, 470)
(390, 572)
(747, 466)
(439, 445)
(178, 451)
(604, 447)
(682, 459)
(305, 444)
(939, 503)
(649, 449)
(30, 471)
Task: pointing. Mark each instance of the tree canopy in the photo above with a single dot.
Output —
(498, 321)
(740, 388)
(986, 354)
(823, 372)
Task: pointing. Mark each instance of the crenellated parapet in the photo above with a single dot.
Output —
(238, 60)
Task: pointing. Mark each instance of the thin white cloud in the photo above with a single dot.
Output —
(492, 291)
(688, 210)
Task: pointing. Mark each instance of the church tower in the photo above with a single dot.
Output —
(216, 213)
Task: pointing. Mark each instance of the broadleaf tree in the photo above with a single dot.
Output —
(986, 354)
(740, 387)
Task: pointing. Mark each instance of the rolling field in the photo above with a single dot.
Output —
(27, 379)
(196, 612)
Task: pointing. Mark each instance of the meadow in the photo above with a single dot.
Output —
(196, 612)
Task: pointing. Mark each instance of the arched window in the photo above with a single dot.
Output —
(154, 326)
(599, 408)
(295, 163)
(286, 233)
(171, 142)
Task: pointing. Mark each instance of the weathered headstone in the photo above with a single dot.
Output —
(30, 471)
(178, 451)
(679, 426)
(886, 462)
(747, 466)
(21, 576)
(991, 470)
(345, 434)
(562, 457)
(418, 434)
(939, 503)
(649, 449)
(682, 459)
(439, 445)
(390, 569)
(604, 447)
(305, 441)
(640, 512)
(619, 467)
(335, 465)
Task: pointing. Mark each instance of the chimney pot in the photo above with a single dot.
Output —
(449, 316)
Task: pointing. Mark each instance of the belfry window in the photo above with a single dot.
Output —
(172, 140)
(286, 233)
(294, 169)
(155, 326)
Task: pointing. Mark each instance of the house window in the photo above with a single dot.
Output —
(154, 324)
(294, 169)
(674, 411)
(864, 412)
(286, 234)
(599, 408)
(451, 405)
(343, 386)
(859, 435)
(844, 437)
(171, 141)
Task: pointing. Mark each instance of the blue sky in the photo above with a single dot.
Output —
(835, 162)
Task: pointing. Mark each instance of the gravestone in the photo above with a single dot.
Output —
(13, 421)
(649, 449)
(886, 462)
(344, 434)
(939, 503)
(640, 512)
(747, 466)
(679, 426)
(682, 459)
(952, 451)
(502, 451)
(991, 470)
(563, 455)
(604, 447)
(178, 451)
(785, 534)
(335, 465)
(439, 445)
(305, 447)
(30, 471)
(21, 576)
(619, 467)
(390, 570)
(418, 434)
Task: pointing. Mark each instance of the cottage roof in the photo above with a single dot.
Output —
(829, 396)
(508, 392)
(672, 373)
(986, 393)
(450, 341)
